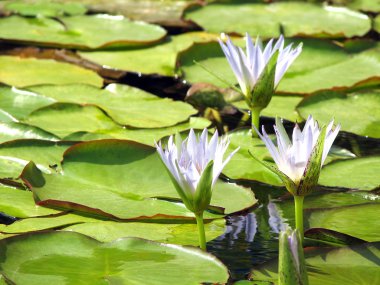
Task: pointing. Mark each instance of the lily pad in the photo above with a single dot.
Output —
(20, 103)
(242, 166)
(268, 20)
(319, 59)
(74, 258)
(46, 154)
(83, 32)
(126, 105)
(145, 136)
(14, 130)
(160, 58)
(21, 72)
(361, 222)
(11, 168)
(45, 8)
(107, 231)
(280, 106)
(130, 176)
(347, 265)
(364, 105)
(63, 119)
(20, 204)
(359, 173)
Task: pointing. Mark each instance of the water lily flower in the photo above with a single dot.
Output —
(259, 70)
(194, 166)
(299, 161)
(291, 263)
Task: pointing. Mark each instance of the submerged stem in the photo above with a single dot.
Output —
(201, 231)
(298, 207)
(255, 118)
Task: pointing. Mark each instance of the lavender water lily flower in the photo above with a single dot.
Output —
(194, 166)
(259, 70)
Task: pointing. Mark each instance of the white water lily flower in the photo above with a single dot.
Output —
(248, 66)
(293, 157)
(194, 166)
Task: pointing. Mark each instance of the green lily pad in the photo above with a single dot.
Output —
(74, 258)
(319, 59)
(242, 165)
(45, 8)
(63, 119)
(14, 130)
(21, 72)
(362, 5)
(362, 119)
(126, 105)
(353, 72)
(20, 103)
(6, 117)
(46, 154)
(328, 266)
(10, 167)
(357, 221)
(268, 20)
(132, 178)
(107, 231)
(377, 24)
(359, 173)
(145, 136)
(83, 32)
(20, 204)
(280, 106)
(160, 58)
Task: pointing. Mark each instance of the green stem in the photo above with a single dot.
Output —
(255, 117)
(201, 231)
(298, 207)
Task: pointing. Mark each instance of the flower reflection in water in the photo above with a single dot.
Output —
(276, 221)
(238, 225)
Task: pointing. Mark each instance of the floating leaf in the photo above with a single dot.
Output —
(20, 103)
(126, 105)
(328, 266)
(107, 231)
(363, 117)
(12, 131)
(45, 8)
(20, 204)
(357, 221)
(267, 20)
(160, 58)
(21, 72)
(74, 258)
(83, 32)
(280, 106)
(359, 173)
(63, 119)
(145, 136)
(242, 165)
(132, 178)
(319, 59)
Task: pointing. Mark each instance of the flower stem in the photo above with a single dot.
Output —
(255, 118)
(201, 231)
(298, 207)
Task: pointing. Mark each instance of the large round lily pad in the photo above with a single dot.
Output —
(268, 20)
(352, 265)
(242, 165)
(124, 180)
(14, 130)
(319, 59)
(21, 72)
(160, 58)
(359, 173)
(72, 258)
(83, 32)
(126, 105)
(363, 117)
